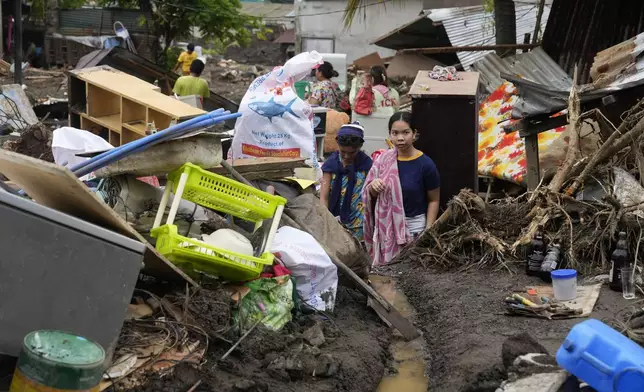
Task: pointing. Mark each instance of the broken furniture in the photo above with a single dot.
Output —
(60, 272)
(119, 106)
(446, 116)
(132, 64)
(222, 194)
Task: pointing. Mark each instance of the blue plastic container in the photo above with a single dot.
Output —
(603, 358)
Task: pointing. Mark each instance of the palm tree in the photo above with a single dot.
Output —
(504, 17)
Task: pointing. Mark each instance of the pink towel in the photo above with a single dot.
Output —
(382, 89)
(385, 230)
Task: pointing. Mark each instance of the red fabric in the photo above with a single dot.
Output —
(278, 270)
(377, 153)
(152, 180)
(364, 101)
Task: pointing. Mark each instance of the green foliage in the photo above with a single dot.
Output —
(488, 6)
(221, 19)
(70, 3)
(171, 56)
(38, 7)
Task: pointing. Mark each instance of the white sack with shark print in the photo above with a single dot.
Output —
(275, 122)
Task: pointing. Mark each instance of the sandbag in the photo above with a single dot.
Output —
(325, 228)
(316, 277)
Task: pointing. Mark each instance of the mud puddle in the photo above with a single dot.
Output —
(409, 357)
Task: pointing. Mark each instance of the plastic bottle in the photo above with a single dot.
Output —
(536, 254)
(551, 261)
(618, 260)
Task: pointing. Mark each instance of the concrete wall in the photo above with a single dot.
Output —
(323, 20)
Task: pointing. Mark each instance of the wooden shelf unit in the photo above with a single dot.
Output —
(117, 106)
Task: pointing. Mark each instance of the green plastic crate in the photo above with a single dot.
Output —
(193, 257)
(224, 194)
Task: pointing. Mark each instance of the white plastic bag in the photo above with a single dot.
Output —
(275, 122)
(69, 141)
(316, 277)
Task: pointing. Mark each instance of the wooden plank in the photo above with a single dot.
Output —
(260, 165)
(56, 187)
(136, 90)
(266, 175)
(532, 161)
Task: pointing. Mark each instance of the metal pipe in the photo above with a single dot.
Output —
(147, 139)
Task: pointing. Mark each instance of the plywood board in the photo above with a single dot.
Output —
(136, 90)
(58, 188)
(425, 86)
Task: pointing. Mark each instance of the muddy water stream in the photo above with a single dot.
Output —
(409, 357)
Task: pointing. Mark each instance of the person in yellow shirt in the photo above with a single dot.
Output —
(185, 59)
(192, 84)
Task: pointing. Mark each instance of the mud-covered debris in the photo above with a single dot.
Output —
(34, 142)
(327, 366)
(245, 385)
(314, 336)
(518, 345)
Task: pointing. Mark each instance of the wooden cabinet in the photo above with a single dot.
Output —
(446, 117)
(117, 106)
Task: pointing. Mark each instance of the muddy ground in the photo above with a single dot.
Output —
(353, 357)
(461, 315)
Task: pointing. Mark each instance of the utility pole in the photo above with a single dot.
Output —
(17, 48)
(537, 26)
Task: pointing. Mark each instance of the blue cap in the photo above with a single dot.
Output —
(563, 274)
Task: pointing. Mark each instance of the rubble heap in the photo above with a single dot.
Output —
(587, 202)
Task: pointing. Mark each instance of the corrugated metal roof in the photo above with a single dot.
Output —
(576, 30)
(535, 65)
(268, 10)
(468, 26)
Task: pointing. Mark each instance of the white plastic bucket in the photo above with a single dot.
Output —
(564, 284)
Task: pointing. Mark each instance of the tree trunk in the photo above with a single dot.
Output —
(51, 16)
(505, 25)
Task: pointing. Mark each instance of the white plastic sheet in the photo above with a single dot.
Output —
(316, 277)
(69, 141)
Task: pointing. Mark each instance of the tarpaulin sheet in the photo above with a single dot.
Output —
(502, 155)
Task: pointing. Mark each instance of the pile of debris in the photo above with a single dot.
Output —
(587, 202)
(232, 78)
(342, 351)
(35, 142)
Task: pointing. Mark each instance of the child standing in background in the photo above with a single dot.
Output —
(185, 60)
(345, 172)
